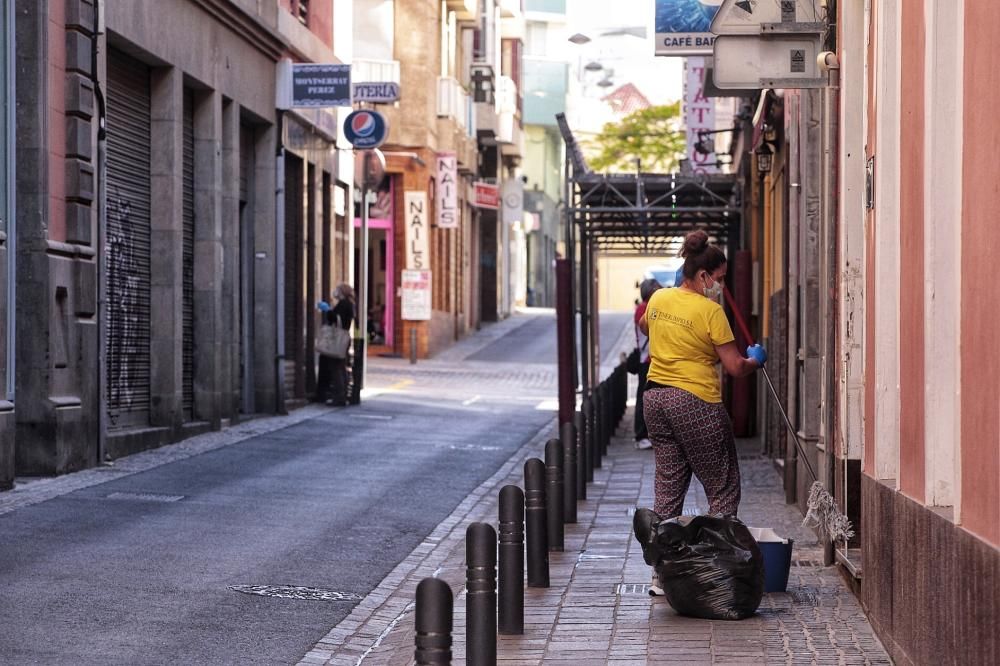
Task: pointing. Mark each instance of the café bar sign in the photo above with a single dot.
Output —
(683, 26)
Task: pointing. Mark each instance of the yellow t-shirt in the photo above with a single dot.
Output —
(684, 329)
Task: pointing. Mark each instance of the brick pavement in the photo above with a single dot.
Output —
(597, 610)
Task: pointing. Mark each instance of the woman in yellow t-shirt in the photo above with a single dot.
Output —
(688, 425)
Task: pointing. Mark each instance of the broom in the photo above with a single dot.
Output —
(822, 512)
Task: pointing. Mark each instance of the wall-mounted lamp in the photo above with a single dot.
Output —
(705, 147)
(765, 158)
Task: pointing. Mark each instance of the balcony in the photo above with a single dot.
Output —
(510, 8)
(507, 99)
(374, 71)
(452, 101)
(465, 10)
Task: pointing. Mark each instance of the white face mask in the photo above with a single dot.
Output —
(714, 291)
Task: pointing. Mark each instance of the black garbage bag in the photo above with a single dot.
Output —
(708, 566)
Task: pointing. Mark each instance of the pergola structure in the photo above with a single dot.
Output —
(630, 214)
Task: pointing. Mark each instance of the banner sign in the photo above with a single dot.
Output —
(416, 295)
(376, 91)
(486, 195)
(699, 115)
(446, 199)
(321, 85)
(418, 230)
(682, 27)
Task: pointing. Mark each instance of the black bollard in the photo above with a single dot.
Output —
(510, 582)
(598, 426)
(536, 520)
(554, 507)
(481, 595)
(591, 439)
(581, 459)
(433, 623)
(570, 468)
(606, 428)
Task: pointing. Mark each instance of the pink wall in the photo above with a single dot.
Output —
(911, 251)
(868, 461)
(980, 456)
(320, 17)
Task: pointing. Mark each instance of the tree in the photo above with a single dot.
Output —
(652, 135)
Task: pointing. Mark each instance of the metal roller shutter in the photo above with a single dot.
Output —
(187, 254)
(128, 241)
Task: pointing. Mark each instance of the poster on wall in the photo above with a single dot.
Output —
(446, 198)
(418, 229)
(699, 116)
(416, 295)
(682, 27)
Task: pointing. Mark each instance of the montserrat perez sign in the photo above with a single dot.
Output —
(316, 85)
(682, 27)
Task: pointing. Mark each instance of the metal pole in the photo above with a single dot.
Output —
(102, 260)
(555, 510)
(481, 596)
(413, 345)
(279, 274)
(360, 364)
(583, 306)
(570, 451)
(511, 567)
(536, 522)
(433, 623)
(565, 342)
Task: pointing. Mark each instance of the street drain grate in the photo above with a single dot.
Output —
(633, 588)
(295, 592)
(146, 497)
(806, 563)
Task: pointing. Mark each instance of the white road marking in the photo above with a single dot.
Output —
(471, 400)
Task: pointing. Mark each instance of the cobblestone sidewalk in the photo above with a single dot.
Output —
(597, 610)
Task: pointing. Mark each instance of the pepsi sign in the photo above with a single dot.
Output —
(366, 129)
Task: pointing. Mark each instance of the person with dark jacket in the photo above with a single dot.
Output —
(646, 291)
(332, 381)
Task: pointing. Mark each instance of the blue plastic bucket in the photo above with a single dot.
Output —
(777, 554)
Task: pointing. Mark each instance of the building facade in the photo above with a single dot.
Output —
(448, 131)
(869, 232)
(156, 259)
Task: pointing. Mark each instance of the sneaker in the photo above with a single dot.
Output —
(654, 587)
(643, 444)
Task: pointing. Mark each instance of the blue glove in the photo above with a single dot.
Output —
(323, 306)
(757, 354)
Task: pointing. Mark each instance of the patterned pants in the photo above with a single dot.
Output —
(691, 435)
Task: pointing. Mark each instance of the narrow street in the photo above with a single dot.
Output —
(136, 563)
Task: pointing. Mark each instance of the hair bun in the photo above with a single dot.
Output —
(695, 243)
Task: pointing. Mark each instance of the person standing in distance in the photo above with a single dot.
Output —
(687, 422)
(646, 290)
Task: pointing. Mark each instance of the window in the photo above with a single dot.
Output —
(302, 12)
(537, 34)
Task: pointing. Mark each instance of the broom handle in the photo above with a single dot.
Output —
(777, 401)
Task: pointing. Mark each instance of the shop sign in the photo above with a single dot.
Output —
(366, 129)
(683, 27)
(699, 115)
(378, 92)
(416, 295)
(417, 230)
(446, 199)
(486, 195)
(321, 85)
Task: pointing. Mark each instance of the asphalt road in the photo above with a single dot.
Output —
(140, 570)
